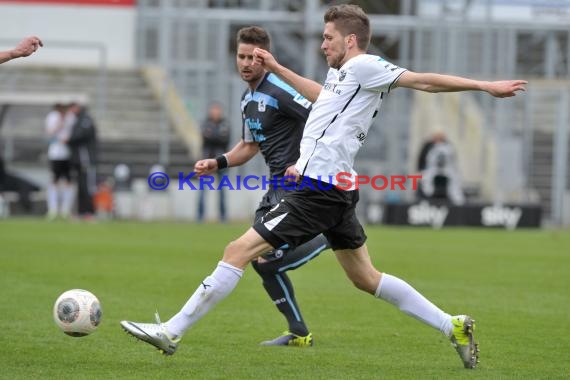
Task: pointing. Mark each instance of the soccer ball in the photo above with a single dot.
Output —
(77, 312)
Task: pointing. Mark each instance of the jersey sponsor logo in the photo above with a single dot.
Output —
(388, 65)
(391, 67)
(332, 87)
(256, 129)
(304, 102)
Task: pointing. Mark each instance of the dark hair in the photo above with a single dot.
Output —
(254, 35)
(350, 19)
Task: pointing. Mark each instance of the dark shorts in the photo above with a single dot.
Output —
(304, 213)
(61, 169)
(270, 199)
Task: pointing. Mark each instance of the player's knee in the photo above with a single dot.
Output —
(236, 254)
(233, 248)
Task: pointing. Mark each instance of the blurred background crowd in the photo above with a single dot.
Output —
(146, 74)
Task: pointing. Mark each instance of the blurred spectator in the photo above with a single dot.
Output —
(157, 168)
(122, 177)
(13, 183)
(440, 174)
(59, 191)
(216, 138)
(122, 199)
(83, 144)
(103, 200)
(25, 48)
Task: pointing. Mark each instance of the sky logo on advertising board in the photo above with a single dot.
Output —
(501, 216)
(425, 214)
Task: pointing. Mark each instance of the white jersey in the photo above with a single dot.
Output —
(339, 122)
(57, 129)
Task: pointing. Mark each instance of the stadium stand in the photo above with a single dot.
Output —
(509, 145)
(128, 130)
(544, 117)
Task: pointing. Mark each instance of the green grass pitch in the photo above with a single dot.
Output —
(515, 284)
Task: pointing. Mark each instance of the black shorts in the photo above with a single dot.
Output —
(61, 169)
(270, 199)
(308, 211)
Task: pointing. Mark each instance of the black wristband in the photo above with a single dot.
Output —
(222, 162)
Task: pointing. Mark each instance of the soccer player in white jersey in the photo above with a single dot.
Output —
(343, 110)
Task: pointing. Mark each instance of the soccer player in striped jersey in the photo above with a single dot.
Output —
(273, 118)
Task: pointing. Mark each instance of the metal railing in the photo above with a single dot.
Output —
(195, 45)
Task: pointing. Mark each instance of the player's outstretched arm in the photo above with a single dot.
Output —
(448, 83)
(25, 48)
(306, 87)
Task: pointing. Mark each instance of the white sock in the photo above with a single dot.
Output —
(402, 295)
(67, 201)
(211, 291)
(52, 199)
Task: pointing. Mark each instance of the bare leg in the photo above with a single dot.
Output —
(359, 269)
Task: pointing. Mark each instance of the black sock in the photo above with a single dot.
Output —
(281, 292)
(277, 283)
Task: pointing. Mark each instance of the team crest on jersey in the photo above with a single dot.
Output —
(341, 75)
(261, 105)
